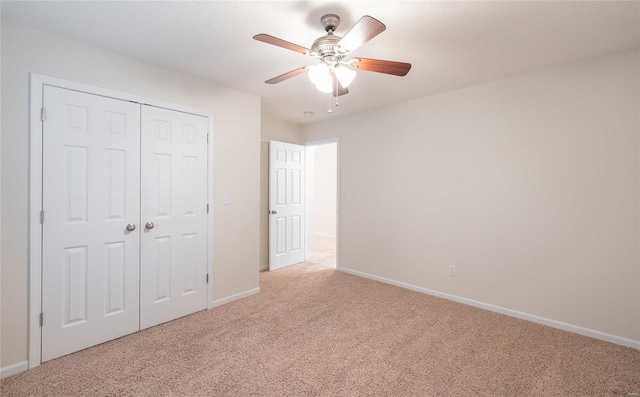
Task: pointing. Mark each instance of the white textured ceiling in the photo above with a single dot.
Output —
(449, 44)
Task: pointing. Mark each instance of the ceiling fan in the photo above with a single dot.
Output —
(334, 73)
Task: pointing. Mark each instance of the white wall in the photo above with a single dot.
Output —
(2, 301)
(324, 190)
(277, 130)
(236, 159)
(1, 109)
(529, 185)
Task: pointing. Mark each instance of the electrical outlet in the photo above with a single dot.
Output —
(452, 270)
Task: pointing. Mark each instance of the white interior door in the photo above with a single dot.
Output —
(174, 221)
(286, 204)
(91, 188)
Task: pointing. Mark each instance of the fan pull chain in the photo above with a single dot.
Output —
(330, 110)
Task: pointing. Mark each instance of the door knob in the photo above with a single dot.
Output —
(149, 225)
(274, 212)
(131, 227)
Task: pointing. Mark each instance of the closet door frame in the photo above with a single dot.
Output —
(37, 82)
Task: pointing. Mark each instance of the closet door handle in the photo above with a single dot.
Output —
(131, 227)
(149, 225)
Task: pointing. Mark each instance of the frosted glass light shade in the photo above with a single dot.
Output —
(345, 75)
(319, 73)
(322, 76)
(325, 85)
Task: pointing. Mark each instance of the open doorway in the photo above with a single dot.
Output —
(322, 202)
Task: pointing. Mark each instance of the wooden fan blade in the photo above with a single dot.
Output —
(265, 38)
(380, 66)
(364, 30)
(285, 76)
(338, 89)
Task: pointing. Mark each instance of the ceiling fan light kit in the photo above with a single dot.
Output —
(322, 76)
(334, 74)
(345, 75)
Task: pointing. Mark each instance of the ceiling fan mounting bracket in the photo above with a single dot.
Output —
(330, 22)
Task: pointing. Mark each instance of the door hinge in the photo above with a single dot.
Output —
(207, 138)
(41, 319)
(42, 217)
(43, 114)
(207, 208)
(207, 278)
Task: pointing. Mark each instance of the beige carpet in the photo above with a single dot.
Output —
(314, 331)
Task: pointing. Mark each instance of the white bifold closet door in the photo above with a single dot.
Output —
(124, 232)
(174, 223)
(91, 192)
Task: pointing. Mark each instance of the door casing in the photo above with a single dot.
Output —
(36, 89)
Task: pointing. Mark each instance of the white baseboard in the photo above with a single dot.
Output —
(264, 268)
(235, 297)
(503, 310)
(13, 369)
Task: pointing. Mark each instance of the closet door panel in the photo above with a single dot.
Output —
(174, 215)
(91, 192)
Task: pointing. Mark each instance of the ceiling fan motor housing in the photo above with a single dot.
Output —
(326, 48)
